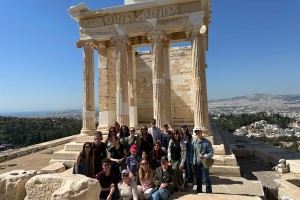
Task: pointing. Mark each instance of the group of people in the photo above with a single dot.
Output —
(145, 166)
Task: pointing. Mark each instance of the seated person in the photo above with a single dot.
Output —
(163, 180)
(127, 187)
(146, 179)
(108, 181)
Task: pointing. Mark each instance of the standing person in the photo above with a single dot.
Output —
(163, 181)
(132, 163)
(99, 151)
(187, 138)
(86, 160)
(146, 140)
(155, 155)
(109, 140)
(146, 176)
(201, 148)
(132, 139)
(117, 126)
(176, 154)
(108, 181)
(117, 154)
(124, 133)
(166, 137)
(127, 187)
(155, 131)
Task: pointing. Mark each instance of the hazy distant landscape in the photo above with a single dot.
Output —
(287, 105)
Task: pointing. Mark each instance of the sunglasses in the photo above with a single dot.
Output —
(125, 175)
(144, 129)
(105, 165)
(175, 133)
(132, 131)
(144, 164)
(87, 147)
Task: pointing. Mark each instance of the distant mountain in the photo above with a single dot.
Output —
(73, 113)
(284, 104)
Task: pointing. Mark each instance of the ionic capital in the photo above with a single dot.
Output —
(86, 43)
(195, 31)
(156, 35)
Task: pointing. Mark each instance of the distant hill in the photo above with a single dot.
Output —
(283, 104)
(73, 113)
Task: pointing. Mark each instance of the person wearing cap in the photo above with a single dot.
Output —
(132, 163)
(127, 187)
(201, 148)
(108, 181)
(163, 180)
(166, 137)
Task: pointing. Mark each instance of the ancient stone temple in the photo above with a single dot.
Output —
(115, 33)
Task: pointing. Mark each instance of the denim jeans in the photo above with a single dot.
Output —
(161, 194)
(188, 168)
(201, 171)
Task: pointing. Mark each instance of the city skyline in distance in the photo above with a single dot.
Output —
(250, 51)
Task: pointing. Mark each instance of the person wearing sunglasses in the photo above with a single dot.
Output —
(85, 161)
(177, 155)
(132, 139)
(146, 176)
(146, 140)
(117, 154)
(127, 187)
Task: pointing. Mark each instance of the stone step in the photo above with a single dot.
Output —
(73, 146)
(67, 163)
(229, 171)
(65, 155)
(225, 160)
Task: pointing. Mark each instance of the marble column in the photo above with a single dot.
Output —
(122, 110)
(88, 112)
(132, 96)
(158, 82)
(201, 117)
(106, 72)
(167, 116)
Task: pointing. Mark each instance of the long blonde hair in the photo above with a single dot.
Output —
(145, 174)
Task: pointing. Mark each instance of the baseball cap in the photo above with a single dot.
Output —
(125, 171)
(133, 148)
(164, 159)
(165, 125)
(197, 129)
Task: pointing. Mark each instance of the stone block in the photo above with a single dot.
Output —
(229, 171)
(12, 184)
(287, 190)
(53, 168)
(62, 186)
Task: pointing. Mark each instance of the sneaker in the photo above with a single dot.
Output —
(189, 184)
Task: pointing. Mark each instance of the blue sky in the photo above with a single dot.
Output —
(254, 47)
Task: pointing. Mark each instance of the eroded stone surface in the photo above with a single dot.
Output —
(12, 184)
(59, 186)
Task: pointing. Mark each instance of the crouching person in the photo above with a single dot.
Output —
(163, 181)
(108, 181)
